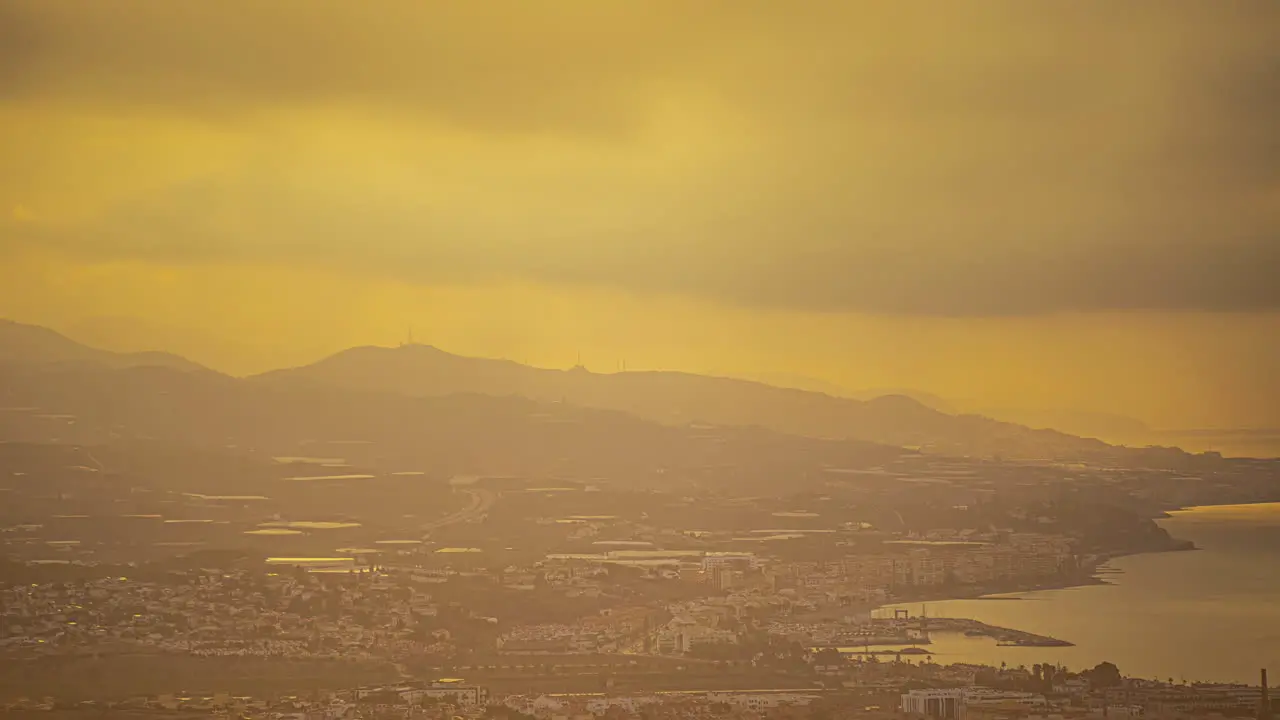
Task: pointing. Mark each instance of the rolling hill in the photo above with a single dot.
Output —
(32, 344)
(680, 398)
(669, 398)
(457, 433)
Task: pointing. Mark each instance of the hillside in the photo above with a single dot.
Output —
(459, 433)
(1111, 427)
(32, 344)
(676, 398)
(670, 398)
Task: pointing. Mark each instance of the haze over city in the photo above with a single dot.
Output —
(572, 359)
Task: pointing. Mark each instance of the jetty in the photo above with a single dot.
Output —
(1005, 637)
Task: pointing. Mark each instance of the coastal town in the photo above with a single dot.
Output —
(379, 612)
(839, 688)
(639, 360)
(553, 597)
(509, 556)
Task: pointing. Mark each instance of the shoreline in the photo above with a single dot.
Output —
(993, 593)
(1085, 578)
(1165, 514)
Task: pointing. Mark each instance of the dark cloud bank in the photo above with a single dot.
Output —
(989, 158)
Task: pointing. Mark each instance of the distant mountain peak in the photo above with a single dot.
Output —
(892, 418)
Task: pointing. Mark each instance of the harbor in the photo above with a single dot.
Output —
(913, 636)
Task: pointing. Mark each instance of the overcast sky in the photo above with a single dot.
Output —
(969, 197)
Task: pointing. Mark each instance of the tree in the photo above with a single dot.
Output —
(828, 656)
(1104, 675)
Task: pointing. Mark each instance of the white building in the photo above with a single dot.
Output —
(952, 703)
(943, 704)
(729, 560)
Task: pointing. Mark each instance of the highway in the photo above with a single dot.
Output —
(481, 501)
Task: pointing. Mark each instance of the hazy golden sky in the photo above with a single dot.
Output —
(1034, 204)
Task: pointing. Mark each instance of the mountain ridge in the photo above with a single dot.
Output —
(679, 397)
(669, 397)
(23, 343)
(459, 433)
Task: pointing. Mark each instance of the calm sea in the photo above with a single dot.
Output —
(1212, 614)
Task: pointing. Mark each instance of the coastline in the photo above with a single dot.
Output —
(994, 592)
(1167, 514)
(1086, 577)
(1010, 591)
